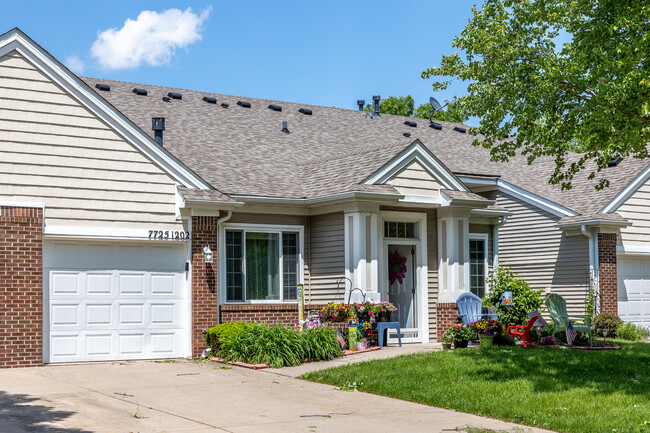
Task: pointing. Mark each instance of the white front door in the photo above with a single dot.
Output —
(114, 301)
(634, 289)
(402, 284)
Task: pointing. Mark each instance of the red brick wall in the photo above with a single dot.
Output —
(284, 314)
(446, 313)
(21, 286)
(607, 278)
(204, 281)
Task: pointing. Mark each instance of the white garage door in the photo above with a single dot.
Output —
(113, 301)
(634, 289)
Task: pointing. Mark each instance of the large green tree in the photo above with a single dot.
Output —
(398, 105)
(405, 106)
(559, 76)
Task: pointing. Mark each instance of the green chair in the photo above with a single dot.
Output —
(557, 310)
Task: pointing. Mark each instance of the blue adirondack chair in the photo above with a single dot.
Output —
(470, 306)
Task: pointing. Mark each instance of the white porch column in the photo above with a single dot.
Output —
(361, 252)
(453, 244)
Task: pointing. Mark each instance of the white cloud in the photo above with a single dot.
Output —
(75, 64)
(152, 38)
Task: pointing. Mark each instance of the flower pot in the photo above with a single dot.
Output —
(486, 340)
(383, 316)
(460, 344)
(446, 346)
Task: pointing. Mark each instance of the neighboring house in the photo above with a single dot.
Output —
(107, 226)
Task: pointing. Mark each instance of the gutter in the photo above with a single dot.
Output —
(351, 195)
(219, 221)
(595, 222)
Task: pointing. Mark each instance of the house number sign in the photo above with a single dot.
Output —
(168, 234)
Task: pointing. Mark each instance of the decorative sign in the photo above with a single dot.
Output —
(301, 307)
(352, 336)
(173, 235)
(506, 297)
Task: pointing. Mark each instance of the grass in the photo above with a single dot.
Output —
(559, 389)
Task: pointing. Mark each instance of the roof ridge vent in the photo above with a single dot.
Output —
(244, 104)
(166, 99)
(175, 95)
(411, 124)
(305, 111)
(435, 125)
(103, 87)
(407, 134)
(210, 99)
(459, 129)
(275, 107)
(224, 105)
(141, 92)
(615, 162)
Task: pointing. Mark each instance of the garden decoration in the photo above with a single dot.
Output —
(352, 336)
(522, 331)
(396, 267)
(506, 296)
(364, 311)
(461, 334)
(557, 310)
(334, 313)
(470, 307)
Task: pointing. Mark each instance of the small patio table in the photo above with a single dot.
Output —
(383, 327)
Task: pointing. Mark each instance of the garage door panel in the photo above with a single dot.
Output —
(130, 303)
(634, 289)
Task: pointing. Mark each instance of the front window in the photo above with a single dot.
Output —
(477, 267)
(397, 229)
(261, 265)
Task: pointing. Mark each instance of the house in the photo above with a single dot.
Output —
(133, 217)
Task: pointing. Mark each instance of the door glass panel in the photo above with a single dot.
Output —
(402, 284)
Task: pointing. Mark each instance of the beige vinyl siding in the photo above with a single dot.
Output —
(432, 271)
(637, 210)
(414, 179)
(56, 152)
(327, 259)
(543, 254)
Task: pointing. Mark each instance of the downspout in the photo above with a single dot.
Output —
(219, 221)
(495, 241)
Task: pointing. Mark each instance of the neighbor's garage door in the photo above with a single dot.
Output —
(110, 301)
(634, 289)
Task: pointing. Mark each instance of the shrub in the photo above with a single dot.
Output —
(461, 332)
(632, 332)
(503, 340)
(225, 331)
(607, 321)
(524, 299)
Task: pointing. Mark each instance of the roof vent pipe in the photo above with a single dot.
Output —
(284, 128)
(158, 126)
(375, 104)
(361, 103)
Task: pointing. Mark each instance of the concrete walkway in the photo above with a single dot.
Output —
(186, 396)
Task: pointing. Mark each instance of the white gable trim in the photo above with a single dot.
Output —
(622, 196)
(418, 152)
(534, 199)
(16, 40)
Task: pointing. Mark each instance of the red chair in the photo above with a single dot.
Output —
(522, 331)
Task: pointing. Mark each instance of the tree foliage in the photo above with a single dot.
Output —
(397, 105)
(405, 106)
(590, 94)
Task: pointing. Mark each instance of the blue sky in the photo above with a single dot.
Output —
(326, 53)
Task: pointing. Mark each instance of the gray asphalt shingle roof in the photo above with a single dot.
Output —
(242, 151)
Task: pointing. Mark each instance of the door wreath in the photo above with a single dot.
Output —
(396, 267)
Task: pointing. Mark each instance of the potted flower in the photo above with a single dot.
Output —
(384, 310)
(461, 334)
(487, 328)
(334, 313)
(364, 311)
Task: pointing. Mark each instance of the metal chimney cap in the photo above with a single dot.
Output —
(376, 98)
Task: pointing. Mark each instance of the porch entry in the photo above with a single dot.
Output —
(402, 284)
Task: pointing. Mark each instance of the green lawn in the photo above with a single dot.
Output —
(558, 389)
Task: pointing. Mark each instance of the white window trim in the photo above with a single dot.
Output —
(479, 237)
(260, 228)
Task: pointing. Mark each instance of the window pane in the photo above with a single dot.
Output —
(386, 233)
(234, 277)
(289, 266)
(477, 266)
(262, 266)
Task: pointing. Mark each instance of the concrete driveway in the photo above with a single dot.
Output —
(184, 396)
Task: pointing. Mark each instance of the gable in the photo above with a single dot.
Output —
(415, 180)
(57, 152)
(636, 209)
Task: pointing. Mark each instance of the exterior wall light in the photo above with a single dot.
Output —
(207, 252)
